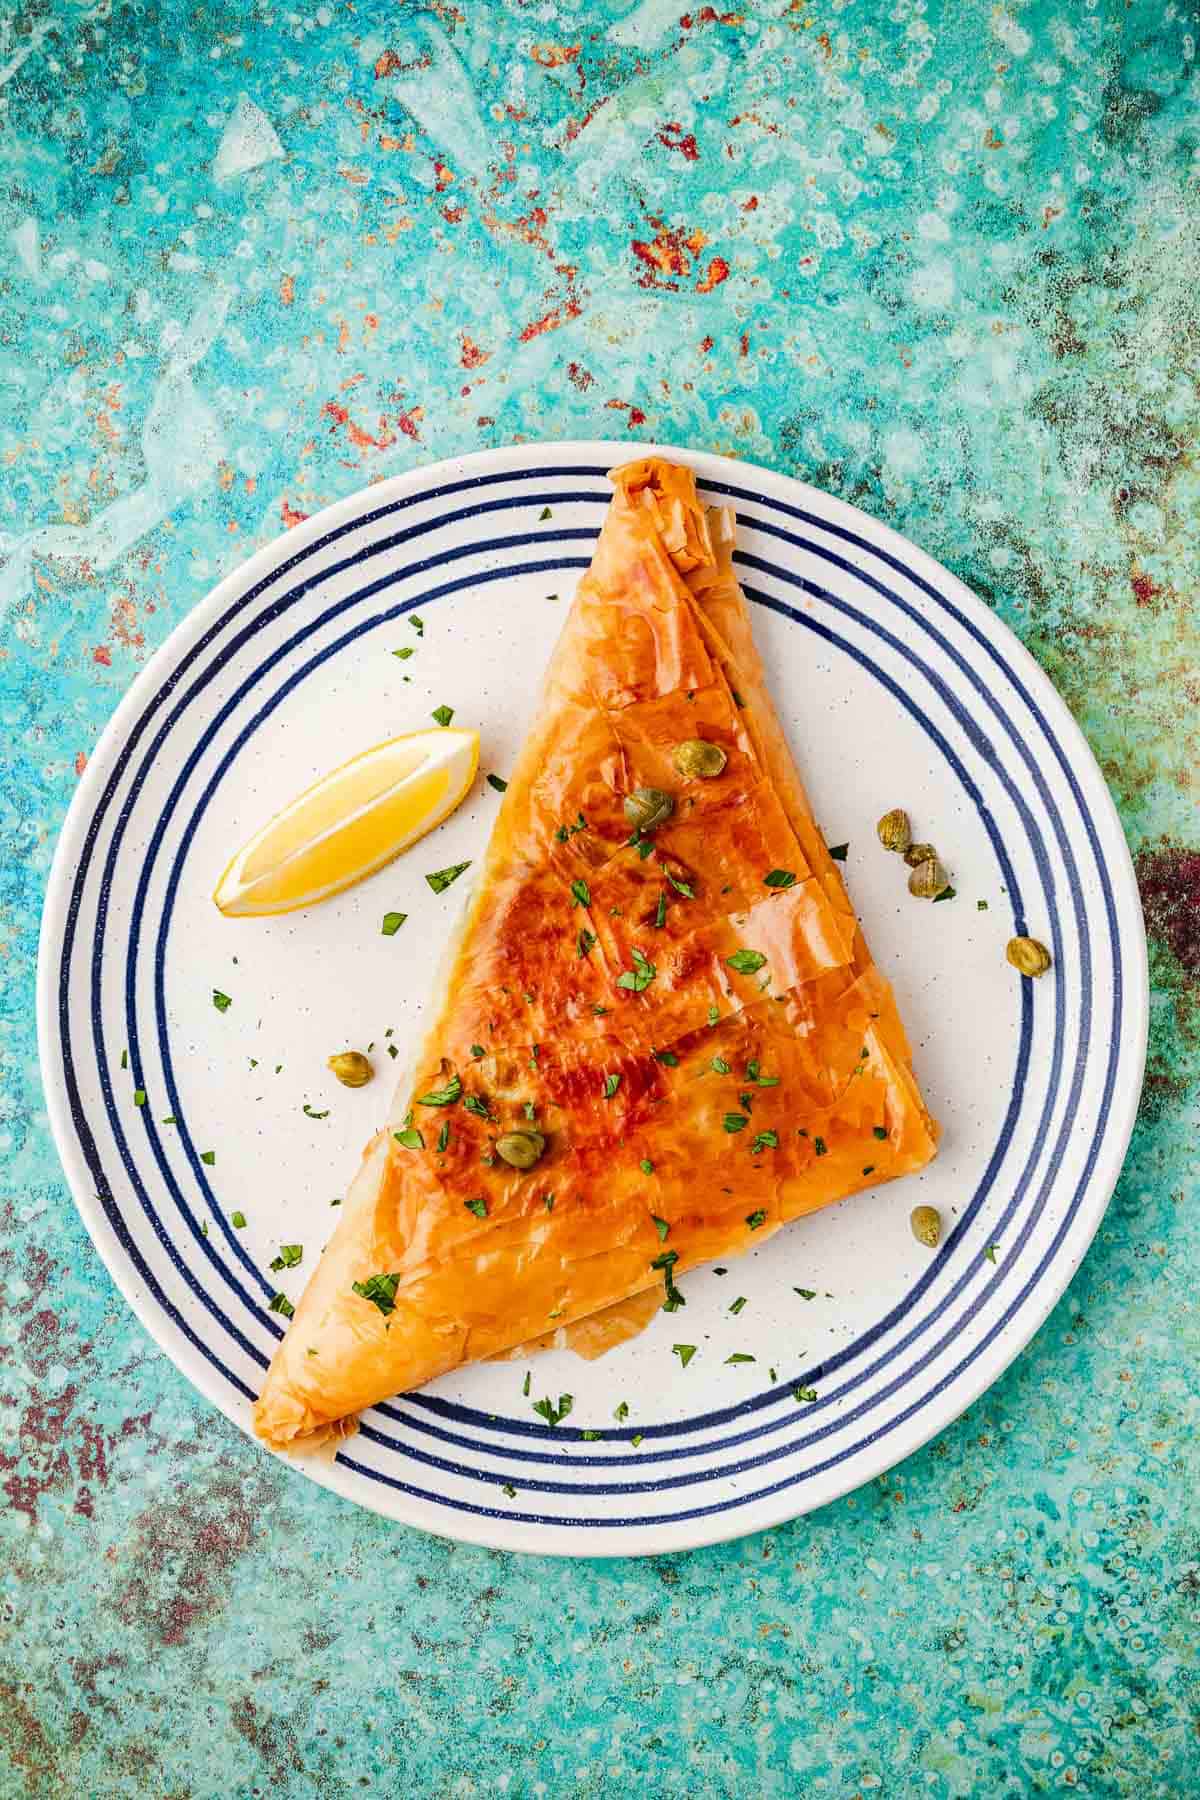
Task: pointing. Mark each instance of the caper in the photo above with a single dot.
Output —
(351, 1068)
(1028, 956)
(895, 832)
(928, 879)
(698, 759)
(919, 853)
(926, 1222)
(520, 1149)
(648, 808)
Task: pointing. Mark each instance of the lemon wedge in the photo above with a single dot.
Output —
(350, 823)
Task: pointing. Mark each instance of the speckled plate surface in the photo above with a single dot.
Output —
(897, 687)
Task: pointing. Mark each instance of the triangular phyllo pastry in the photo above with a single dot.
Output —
(662, 1035)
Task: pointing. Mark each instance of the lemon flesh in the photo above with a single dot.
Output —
(350, 823)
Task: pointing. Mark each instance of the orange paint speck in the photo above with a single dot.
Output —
(289, 516)
(553, 56)
(550, 321)
(103, 656)
(714, 275)
(80, 761)
(472, 356)
(287, 290)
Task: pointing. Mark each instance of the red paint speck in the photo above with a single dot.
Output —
(1144, 589)
(289, 516)
(103, 655)
(580, 377)
(673, 137)
(472, 356)
(80, 761)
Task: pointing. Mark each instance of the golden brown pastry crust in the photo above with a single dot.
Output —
(807, 1049)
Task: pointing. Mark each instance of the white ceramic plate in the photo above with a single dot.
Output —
(897, 687)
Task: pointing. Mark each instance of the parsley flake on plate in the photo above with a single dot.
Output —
(661, 1226)
(289, 1256)
(755, 1219)
(442, 714)
(554, 1415)
(740, 1356)
(838, 851)
(392, 921)
(410, 1138)
(238, 1221)
(779, 878)
(738, 1304)
(441, 879)
(221, 1001)
(498, 782)
(478, 1207)
(309, 1113)
(209, 1157)
(281, 1304)
(405, 653)
(734, 1121)
(766, 1140)
(684, 1352)
(581, 893)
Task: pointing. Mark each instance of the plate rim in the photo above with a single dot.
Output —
(495, 1531)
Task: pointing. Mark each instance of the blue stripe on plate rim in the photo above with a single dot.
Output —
(557, 496)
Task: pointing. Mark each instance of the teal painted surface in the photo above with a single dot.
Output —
(941, 259)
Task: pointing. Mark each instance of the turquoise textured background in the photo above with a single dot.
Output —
(941, 259)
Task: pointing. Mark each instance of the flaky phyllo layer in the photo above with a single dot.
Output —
(705, 1053)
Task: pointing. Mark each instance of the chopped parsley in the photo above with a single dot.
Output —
(746, 1100)
(590, 1437)
(766, 1140)
(169, 1119)
(545, 513)
(667, 1057)
(281, 1304)
(737, 699)
(139, 1096)
(554, 1415)
(380, 1290)
(509, 1491)
(238, 1221)
(989, 1250)
(735, 1122)
(477, 1106)
(838, 852)
(585, 942)
(548, 1202)
(681, 887)
(529, 1109)
(806, 1293)
(636, 1439)
(820, 1146)
(418, 625)
(660, 911)
(740, 1356)
(567, 831)
(869, 1169)
(621, 1412)
(445, 1096)
(310, 1114)
(981, 906)
(752, 1074)
(661, 1226)
(479, 1207)
(498, 782)
(802, 1394)
(719, 1066)
(947, 893)
(637, 979)
(392, 1052)
(443, 1138)
(289, 1256)
(410, 1138)
(755, 1219)
(392, 921)
(124, 1059)
(880, 1132)
(666, 1262)
(646, 1166)
(779, 878)
(611, 1084)
(737, 1305)
(477, 1050)
(714, 1015)
(221, 1001)
(441, 879)
(684, 1352)
(528, 1379)
(581, 893)
(443, 714)
(746, 962)
(209, 1157)
(405, 653)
